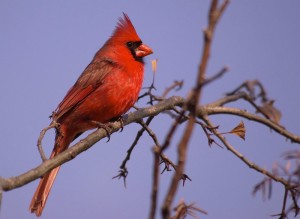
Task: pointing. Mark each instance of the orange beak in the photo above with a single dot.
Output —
(143, 50)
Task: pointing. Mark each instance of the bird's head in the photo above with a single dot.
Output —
(125, 40)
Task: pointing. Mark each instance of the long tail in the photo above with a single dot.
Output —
(41, 194)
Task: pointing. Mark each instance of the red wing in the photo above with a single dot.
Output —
(88, 81)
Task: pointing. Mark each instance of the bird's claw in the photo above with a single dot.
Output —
(121, 120)
(104, 126)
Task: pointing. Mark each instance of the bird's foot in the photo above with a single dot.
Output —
(121, 120)
(105, 126)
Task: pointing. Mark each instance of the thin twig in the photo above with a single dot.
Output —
(284, 203)
(183, 210)
(123, 172)
(138, 136)
(53, 124)
(250, 87)
(176, 85)
(149, 91)
(216, 76)
(155, 182)
(171, 132)
(149, 131)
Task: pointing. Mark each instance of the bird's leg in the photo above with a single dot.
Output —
(105, 126)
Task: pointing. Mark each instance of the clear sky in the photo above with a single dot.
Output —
(45, 45)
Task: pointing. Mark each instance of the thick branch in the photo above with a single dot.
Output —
(84, 144)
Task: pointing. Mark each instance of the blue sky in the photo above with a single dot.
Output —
(45, 45)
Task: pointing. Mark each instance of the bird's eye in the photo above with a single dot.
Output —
(129, 44)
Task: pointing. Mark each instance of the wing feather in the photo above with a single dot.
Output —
(89, 80)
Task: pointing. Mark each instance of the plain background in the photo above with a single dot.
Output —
(45, 45)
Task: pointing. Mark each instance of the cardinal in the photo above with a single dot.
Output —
(107, 88)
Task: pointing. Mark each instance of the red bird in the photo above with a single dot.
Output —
(107, 88)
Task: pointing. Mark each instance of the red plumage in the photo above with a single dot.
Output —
(107, 88)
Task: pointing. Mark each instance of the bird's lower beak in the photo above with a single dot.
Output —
(143, 50)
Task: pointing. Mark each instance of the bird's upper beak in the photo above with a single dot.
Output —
(143, 50)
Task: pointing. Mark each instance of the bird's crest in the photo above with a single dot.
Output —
(125, 30)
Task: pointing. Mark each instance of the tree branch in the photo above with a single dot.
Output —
(243, 113)
(7, 184)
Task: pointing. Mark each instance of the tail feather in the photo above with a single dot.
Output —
(41, 194)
